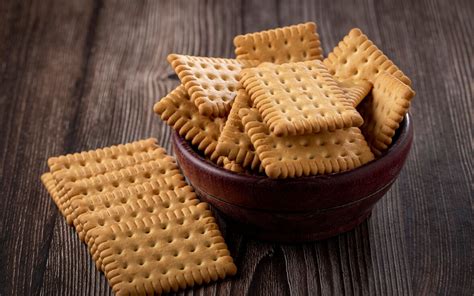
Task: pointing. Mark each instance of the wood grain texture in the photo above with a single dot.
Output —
(81, 75)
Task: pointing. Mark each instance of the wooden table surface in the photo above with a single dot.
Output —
(78, 75)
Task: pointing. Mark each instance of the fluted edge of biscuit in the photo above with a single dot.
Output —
(376, 54)
(61, 162)
(206, 106)
(166, 108)
(315, 50)
(219, 270)
(380, 141)
(259, 134)
(263, 102)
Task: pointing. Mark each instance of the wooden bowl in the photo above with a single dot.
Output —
(297, 209)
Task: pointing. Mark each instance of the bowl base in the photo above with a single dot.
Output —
(291, 237)
(290, 226)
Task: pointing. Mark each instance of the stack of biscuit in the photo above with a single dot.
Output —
(281, 109)
(143, 225)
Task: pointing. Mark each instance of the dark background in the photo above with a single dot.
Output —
(78, 75)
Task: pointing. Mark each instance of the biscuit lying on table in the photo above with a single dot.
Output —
(155, 255)
(141, 213)
(163, 170)
(74, 167)
(136, 202)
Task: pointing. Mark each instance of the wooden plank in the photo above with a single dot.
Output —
(78, 76)
(42, 67)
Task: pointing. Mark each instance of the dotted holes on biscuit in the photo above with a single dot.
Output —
(101, 222)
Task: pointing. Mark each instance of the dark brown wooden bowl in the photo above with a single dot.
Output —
(297, 209)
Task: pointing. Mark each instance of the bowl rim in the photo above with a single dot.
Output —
(400, 139)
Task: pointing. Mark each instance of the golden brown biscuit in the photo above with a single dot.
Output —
(282, 45)
(384, 110)
(355, 90)
(210, 82)
(82, 159)
(162, 170)
(182, 115)
(101, 166)
(305, 155)
(155, 192)
(230, 165)
(135, 202)
(154, 256)
(234, 143)
(357, 58)
(298, 98)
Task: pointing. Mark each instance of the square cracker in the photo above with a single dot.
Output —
(164, 171)
(282, 45)
(304, 155)
(355, 90)
(234, 143)
(136, 203)
(154, 193)
(154, 256)
(356, 57)
(299, 98)
(384, 110)
(182, 115)
(210, 82)
(100, 166)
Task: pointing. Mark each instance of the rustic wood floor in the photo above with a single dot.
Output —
(76, 75)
